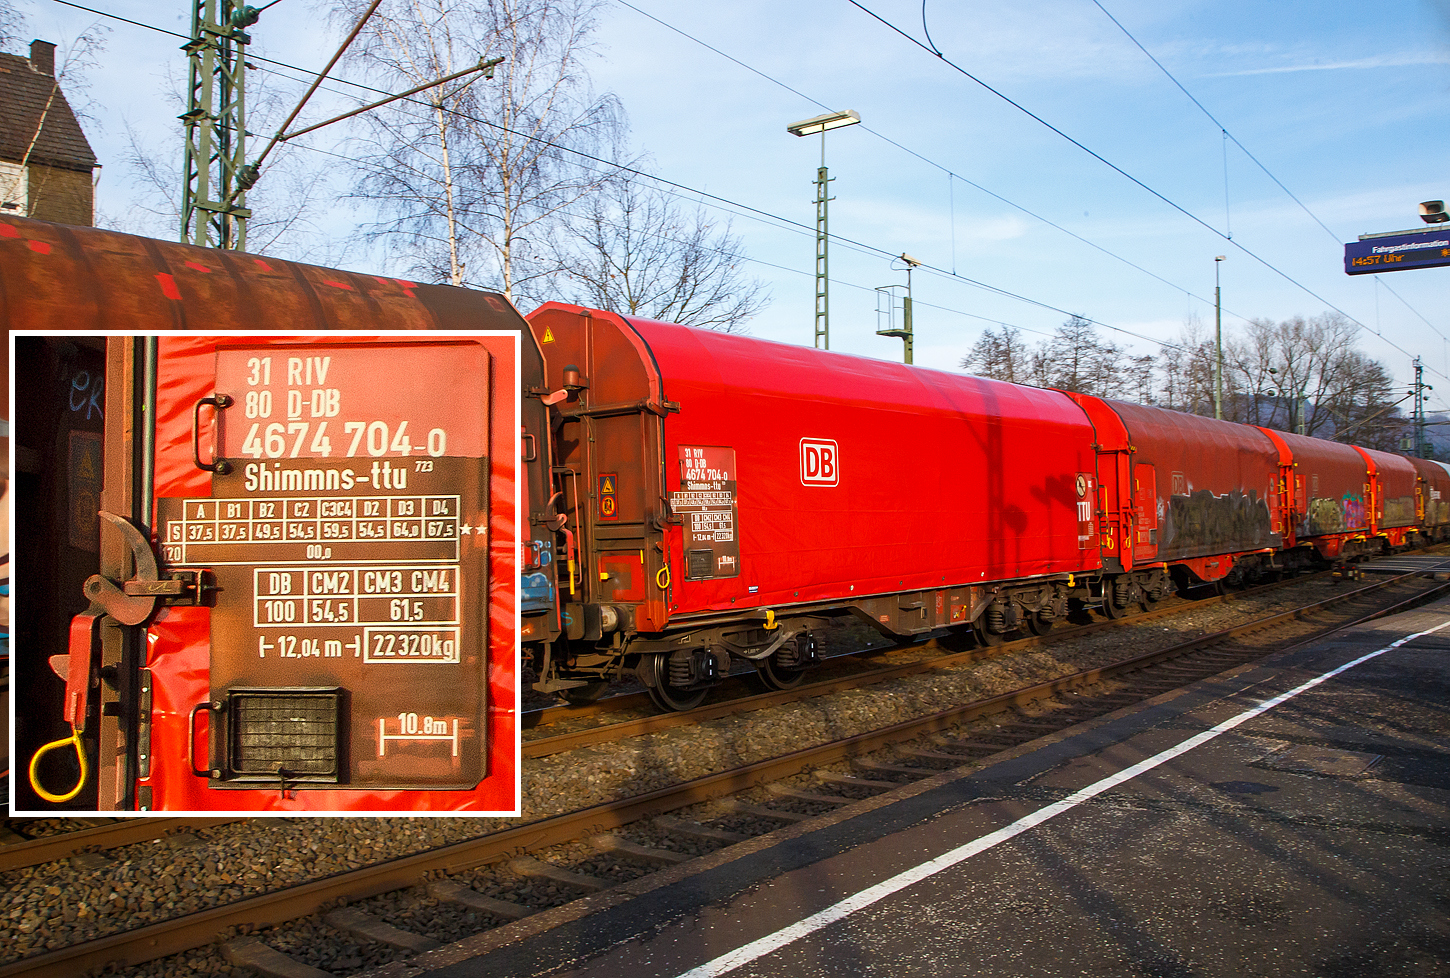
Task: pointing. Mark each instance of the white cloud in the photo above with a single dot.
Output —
(1412, 60)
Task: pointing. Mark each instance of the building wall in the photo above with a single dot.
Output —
(14, 189)
(63, 196)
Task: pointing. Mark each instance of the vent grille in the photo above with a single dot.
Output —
(699, 563)
(285, 734)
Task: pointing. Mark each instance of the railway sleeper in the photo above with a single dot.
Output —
(883, 767)
(972, 750)
(538, 869)
(785, 791)
(267, 961)
(366, 927)
(738, 807)
(851, 781)
(617, 846)
(465, 896)
(932, 755)
(694, 830)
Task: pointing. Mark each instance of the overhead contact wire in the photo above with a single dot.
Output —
(1117, 169)
(1230, 136)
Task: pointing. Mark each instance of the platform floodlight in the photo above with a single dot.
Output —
(810, 127)
(1433, 212)
(820, 123)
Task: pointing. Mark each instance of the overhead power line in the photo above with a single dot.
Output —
(1230, 136)
(738, 207)
(1117, 169)
(925, 159)
(727, 203)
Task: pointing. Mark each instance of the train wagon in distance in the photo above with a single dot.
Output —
(1432, 494)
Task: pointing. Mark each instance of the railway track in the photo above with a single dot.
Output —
(537, 742)
(94, 840)
(528, 877)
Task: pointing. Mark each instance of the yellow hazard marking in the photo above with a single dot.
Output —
(548, 335)
(606, 484)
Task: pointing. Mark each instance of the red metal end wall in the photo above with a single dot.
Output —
(1435, 488)
(1396, 477)
(940, 478)
(1329, 484)
(1214, 480)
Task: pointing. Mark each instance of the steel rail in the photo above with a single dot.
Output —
(200, 928)
(533, 719)
(124, 832)
(559, 743)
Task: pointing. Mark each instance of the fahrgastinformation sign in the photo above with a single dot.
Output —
(1397, 250)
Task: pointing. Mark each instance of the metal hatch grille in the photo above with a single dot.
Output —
(285, 733)
(699, 564)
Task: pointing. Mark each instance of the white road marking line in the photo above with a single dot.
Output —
(865, 898)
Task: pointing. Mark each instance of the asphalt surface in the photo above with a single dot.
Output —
(1309, 839)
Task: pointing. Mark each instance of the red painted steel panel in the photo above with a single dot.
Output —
(1328, 488)
(59, 278)
(1435, 491)
(1395, 479)
(1214, 480)
(939, 478)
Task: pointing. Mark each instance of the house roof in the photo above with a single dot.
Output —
(24, 92)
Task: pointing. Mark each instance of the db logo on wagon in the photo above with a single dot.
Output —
(820, 462)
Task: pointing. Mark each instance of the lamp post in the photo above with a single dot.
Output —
(809, 127)
(1218, 342)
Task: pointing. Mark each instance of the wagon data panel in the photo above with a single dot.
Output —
(347, 532)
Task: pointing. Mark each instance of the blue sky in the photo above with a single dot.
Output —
(1344, 103)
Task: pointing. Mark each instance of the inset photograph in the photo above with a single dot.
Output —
(270, 564)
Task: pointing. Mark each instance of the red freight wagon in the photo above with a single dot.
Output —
(1394, 480)
(1433, 496)
(721, 485)
(1324, 483)
(308, 626)
(1188, 492)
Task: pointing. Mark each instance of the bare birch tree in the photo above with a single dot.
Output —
(634, 250)
(472, 182)
(1000, 354)
(288, 204)
(12, 25)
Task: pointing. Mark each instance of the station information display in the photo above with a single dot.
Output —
(1392, 252)
(348, 537)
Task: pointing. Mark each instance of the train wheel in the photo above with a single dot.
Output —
(1038, 625)
(677, 700)
(588, 693)
(673, 698)
(772, 676)
(985, 638)
(1113, 610)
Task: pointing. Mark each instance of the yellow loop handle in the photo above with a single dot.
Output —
(74, 738)
(662, 577)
